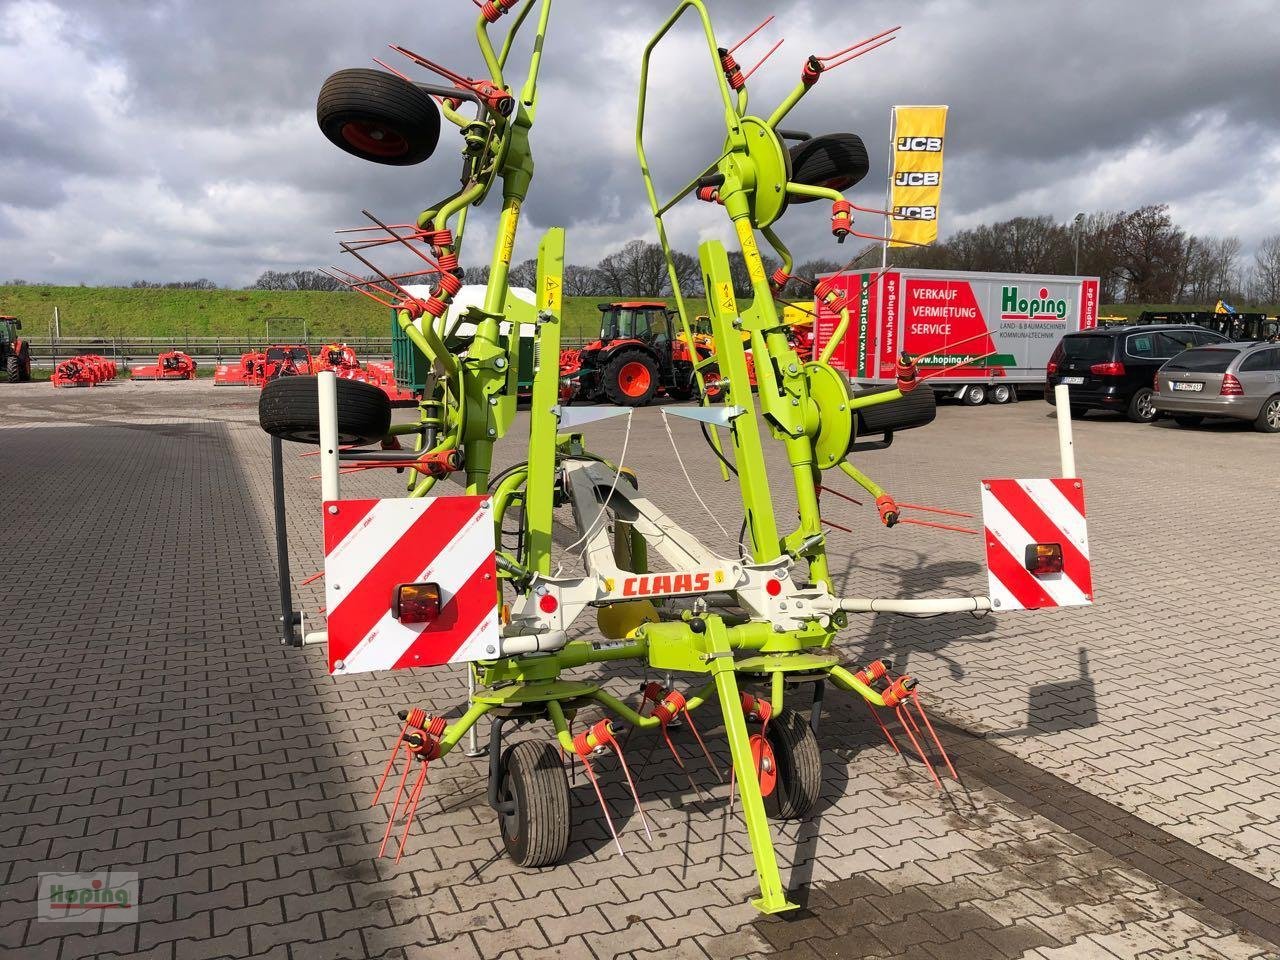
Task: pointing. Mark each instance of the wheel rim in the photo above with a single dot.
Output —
(1145, 408)
(634, 379)
(1273, 414)
(510, 817)
(374, 138)
(714, 385)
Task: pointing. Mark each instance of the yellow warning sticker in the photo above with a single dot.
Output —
(727, 301)
(510, 217)
(552, 293)
(750, 252)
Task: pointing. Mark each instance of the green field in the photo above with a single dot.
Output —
(110, 312)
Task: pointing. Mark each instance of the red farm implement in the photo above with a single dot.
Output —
(174, 365)
(342, 360)
(246, 373)
(86, 370)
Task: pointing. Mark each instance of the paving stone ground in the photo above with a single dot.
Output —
(1120, 764)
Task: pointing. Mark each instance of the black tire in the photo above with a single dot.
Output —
(289, 409)
(795, 751)
(836, 160)
(915, 409)
(1078, 413)
(1001, 393)
(622, 383)
(536, 831)
(1268, 420)
(1188, 419)
(13, 368)
(975, 395)
(1140, 409)
(379, 117)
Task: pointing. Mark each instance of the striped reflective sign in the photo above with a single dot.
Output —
(371, 547)
(1017, 514)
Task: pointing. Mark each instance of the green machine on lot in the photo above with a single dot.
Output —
(426, 581)
(15, 352)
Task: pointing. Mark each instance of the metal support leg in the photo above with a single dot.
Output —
(815, 712)
(289, 618)
(473, 740)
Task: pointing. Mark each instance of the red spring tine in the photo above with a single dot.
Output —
(390, 760)
(955, 366)
(386, 66)
(904, 718)
(936, 526)
(763, 23)
(836, 525)
(854, 56)
(945, 513)
(705, 752)
(395, 807)
(772, 51)
(404, 240)
(860, 43)
(842, 496)
(933, 733)
(883, 729)
(635, 794)
(603, 806)
(410, 809)
(421, 61)
(953, 345)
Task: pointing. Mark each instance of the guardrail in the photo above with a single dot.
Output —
(204, 350)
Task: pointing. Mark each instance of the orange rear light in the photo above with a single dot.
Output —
(1044, 559)
(1107, 369)
(1231, 387)
(416, 602)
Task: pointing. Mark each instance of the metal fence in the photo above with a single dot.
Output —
(46, 352)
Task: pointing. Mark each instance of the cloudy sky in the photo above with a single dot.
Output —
(175, 139)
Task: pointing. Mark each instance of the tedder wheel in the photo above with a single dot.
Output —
(974, 395)
(630, 378)
(837, 160)
(535, 791)
(290, 409)
(13, 368)
(1188, 419)
(1269, 416)
(799, 766)
(378, 116)
(1001, 393)
(1141, 408)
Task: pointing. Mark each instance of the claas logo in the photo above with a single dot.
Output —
(915, 213)
(916, 178)
(659, 584)
(919, 144)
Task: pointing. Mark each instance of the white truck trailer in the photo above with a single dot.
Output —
(948, 317)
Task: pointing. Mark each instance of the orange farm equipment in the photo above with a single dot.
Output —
(174, 365)
(85, 370)
(246, 373)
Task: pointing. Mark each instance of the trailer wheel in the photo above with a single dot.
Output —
(1001, 393)
(535, 791)
(975, 395)
(630, 378)
(799, 766)
(290, 409)
(379, 117)
(836, 160)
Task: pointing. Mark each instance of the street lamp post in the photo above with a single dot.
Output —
(1079, 225)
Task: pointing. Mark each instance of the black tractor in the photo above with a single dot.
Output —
(15, 352)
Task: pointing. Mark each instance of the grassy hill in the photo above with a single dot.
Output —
(125, 312)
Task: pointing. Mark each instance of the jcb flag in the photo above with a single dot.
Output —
(915, 175)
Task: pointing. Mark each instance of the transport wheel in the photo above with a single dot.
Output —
(1001, 393)
(534, 788)
(13, 368)
(975, 395)
(379, 117)
(1269, 416)
(799, 766)
(630, 379)
(1141, 409)
(1188, 419)
(289, 409)
(836, 160)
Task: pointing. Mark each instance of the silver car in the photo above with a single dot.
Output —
(1238, 380)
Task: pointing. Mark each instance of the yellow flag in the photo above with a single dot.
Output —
(915, 176)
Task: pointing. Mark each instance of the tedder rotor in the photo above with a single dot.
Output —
(425, 580)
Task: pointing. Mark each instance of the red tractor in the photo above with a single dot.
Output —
(635, 358)
(15, 353)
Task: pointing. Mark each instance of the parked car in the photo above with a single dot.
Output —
(1237, 380)
(1113, 368)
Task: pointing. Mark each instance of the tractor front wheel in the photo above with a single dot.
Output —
(798, 764)
(534, 797)
(289, 408)
(630, 379)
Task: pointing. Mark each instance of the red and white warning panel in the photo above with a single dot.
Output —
(409, 583)
(1037, 543)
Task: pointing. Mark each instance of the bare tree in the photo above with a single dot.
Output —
(523, 274)
(1266, 271)
(1149, 250)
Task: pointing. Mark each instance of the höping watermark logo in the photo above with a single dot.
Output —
(110, 896)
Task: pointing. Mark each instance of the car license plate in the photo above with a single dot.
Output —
(1073, 381)
(1189, 387)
